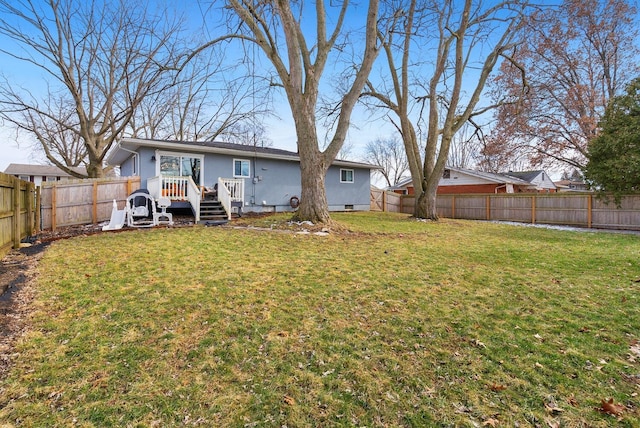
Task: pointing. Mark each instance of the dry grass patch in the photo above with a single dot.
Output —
(396, 323)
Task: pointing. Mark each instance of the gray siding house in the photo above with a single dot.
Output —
(246, 178)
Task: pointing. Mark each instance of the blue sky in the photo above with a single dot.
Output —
(280, 131)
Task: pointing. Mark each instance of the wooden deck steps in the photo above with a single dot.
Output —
(212, 213)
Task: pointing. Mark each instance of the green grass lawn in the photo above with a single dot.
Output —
(396, 323)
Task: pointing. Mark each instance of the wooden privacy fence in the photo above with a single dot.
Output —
(383, 200)
(18, 211)
(67, 203)
(569, 209)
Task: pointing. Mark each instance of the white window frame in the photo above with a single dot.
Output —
(241, 162)
(353, 176)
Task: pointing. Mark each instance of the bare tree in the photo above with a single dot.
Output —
(466, 147)
(99, 61)
(390, 156)
(576, 58)
(211, 98)
(465, 41)
(277, 28)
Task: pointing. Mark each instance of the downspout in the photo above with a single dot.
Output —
(498, 187)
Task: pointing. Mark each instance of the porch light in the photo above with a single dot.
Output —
(153, 158)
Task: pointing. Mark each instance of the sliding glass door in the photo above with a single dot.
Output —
(176, 165)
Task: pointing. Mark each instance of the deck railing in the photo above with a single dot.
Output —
(176, 188)
(235, 186)
(230, 190)
(224, 196)
(183, 188)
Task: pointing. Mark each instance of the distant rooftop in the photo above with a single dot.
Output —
(40, 170)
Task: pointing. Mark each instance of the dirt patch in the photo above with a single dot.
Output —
(17, 272)
(18, 269)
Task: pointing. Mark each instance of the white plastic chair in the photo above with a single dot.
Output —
(163, 203)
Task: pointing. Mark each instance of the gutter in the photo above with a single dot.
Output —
(136, 156)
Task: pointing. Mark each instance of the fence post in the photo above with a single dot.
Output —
(589, 210)
(30, 210)
(488, 207)
(53, 207)
(384, 201)
(533, 209)
(453, 206)
(16, 212)
(38, 220)
(95, 202)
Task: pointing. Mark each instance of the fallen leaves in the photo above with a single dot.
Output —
(478, 344)
(497, 387)
(611, 408)
(289, 400)
(552, 423)
(491, 422)
(551, 407)
(634, 352)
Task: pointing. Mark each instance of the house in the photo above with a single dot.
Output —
(39, 173)
(460, 180)
(240, 178)
(571, 186)
(539, 178)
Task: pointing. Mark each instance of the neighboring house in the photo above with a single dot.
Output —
(246, 178)
(39, 173)
(539, 178)
(571, 186)
(460, 180)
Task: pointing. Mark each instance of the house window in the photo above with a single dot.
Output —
(24, 177)
(346, 176)
(241, 168)
(446, 173)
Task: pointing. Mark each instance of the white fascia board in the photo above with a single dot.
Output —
(134, 143)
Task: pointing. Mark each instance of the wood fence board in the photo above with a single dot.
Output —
(377, 200)
(83, 201)
(517, 209)
(571, 209)
(473, 207)
(16, 211)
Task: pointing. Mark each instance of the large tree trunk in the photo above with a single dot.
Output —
(313, 199)
(94, 167)
(425, 203)
(313, 169)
